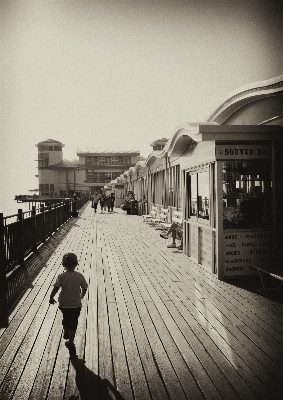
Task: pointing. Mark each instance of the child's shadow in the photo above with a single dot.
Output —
(90, 385)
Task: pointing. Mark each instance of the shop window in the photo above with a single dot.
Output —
(247, 194)
(51, 186)
(126, 160)
(203, 194)
(199, 195)
(193, 195)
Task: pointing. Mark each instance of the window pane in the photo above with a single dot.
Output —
(203, 194)
(247, 194)
(193, 195)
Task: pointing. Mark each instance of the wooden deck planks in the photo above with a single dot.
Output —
(153, 325)
(260, 382)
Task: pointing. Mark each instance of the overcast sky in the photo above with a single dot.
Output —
(123, 72)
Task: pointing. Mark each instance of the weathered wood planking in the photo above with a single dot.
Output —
(153, 325)
(210, 311)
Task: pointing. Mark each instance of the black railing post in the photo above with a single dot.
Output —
(67, 209)
(21, 222)
(33, 213)
(41, 207)
(49, 209)
(3, 279)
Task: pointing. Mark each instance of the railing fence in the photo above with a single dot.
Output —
(22, 233)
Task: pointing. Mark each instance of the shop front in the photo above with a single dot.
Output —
(229, 213)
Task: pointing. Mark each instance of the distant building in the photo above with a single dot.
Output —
(159, 144)
(94, 169)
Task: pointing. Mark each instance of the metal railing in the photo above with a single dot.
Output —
(22, 233)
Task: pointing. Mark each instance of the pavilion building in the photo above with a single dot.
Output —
(94, 169)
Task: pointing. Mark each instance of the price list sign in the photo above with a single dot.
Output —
(244, 249)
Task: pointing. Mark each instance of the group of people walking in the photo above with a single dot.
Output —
(106, 202)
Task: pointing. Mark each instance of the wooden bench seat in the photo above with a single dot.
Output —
(151, 215)
(161, 219)
(177, 218)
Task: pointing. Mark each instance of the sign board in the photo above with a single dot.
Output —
(242, 152)
(243, 249)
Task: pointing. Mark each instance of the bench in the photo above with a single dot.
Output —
(177, 218)
(151, 215)
(161, 219)
(260, 269)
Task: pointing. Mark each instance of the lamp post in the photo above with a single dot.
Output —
(76, 167)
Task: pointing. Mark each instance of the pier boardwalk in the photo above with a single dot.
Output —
(153, 325)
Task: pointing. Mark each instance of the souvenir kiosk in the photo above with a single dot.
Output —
(229, 195)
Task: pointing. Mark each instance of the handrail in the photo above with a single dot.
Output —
(30, 228)
(24, 234)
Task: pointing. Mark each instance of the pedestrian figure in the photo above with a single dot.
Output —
(112, 200)
(176, 230)
(95, 200)
(107, 203)
(73, 288)
(102, 202)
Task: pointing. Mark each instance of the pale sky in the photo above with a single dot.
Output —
(123, 72)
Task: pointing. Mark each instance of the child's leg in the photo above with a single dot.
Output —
(70, 322)
(65, 321)
(73, 323)
(72, 335)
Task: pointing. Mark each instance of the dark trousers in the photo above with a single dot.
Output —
(70, 318)
(94, 206)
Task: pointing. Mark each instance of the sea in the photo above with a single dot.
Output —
(9, 206)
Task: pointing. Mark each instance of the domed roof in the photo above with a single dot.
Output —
(49, 142)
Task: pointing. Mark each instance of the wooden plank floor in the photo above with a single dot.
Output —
(153, 326)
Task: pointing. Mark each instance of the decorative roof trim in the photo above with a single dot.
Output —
(244, 95)
(185, 133)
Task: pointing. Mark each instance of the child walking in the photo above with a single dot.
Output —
(73, 288)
